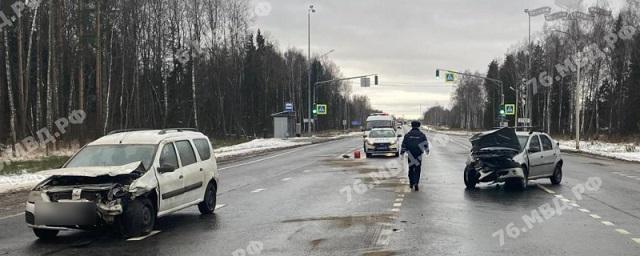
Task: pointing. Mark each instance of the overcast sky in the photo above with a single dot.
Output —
(404, 41)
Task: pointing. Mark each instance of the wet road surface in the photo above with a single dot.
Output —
(311, 201)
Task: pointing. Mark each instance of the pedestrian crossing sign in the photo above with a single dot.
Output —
(510, 109)
(450, 77)
(321, 109)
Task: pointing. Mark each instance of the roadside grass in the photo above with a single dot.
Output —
(29, 166)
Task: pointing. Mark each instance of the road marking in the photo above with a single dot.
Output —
(637, 240)
(584, 210)
(622, 231)
(565, 200)
(11, 216)
(397, 204)
(559, 196)
(400, 195)
(144, 237)
(575, 205)
(395, 210)
(218, 206)
(266, 158)
(399, 199)
(286, 179)
(595, 216)
(257, 190)
(306, 171)
(608, 223)
(545, 189)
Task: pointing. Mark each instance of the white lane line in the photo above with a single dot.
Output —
(400, 195)
(399, 199)
(565, 200)
(545, 189)
(307, 171)
(397, 204)
(595, 216)
(144, 237)
(559, 196)
(575, 205)
(266, 158)
(584, 210)
(395, 210)
(257, 190)
(286, 179)
(607, 223)
(637, 240)
(218, 206)
(622, 231)
(11, 216)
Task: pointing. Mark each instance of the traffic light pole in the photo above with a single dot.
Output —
(320, 83)
(498, 82)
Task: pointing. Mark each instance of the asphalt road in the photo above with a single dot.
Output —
(310, 201)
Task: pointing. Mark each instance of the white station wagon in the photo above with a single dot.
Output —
(127, 179)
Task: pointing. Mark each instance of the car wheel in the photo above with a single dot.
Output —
(138, 218)
(557, 175)
(209, 204)
(369, 155)
(45, 234)
(470, 177)
(397, 154)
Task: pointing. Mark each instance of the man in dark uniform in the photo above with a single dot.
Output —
(415, 142)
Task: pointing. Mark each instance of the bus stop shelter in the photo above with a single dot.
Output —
(284, 124)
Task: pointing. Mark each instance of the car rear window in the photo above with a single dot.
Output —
(204, 150)
(187, 156)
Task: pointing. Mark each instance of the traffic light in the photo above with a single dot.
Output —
(315, 110)
(437, 74)
(502, 113)
(375, 80)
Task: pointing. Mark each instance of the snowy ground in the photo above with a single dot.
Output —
(27, 180)
(622, 151)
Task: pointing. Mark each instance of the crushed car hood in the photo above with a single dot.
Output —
(94, 171)
(504, 138)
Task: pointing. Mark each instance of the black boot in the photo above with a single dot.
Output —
(416, 187)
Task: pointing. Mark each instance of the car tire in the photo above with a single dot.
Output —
(369, 155)
(45, 234)
(470, 177)
(138, 218)
(209, 204)
(397, 154)
(557, 175)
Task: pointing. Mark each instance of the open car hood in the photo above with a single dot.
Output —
(94, 171)
(504, 138)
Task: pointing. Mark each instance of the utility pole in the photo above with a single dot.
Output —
(311, 10)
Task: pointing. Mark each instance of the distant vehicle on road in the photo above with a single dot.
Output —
(505, 155)
(382, 141)
(126, 179)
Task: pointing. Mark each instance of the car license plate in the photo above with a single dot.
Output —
(65, 214)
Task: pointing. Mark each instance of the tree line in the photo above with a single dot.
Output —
(153, 64)
(607, 50)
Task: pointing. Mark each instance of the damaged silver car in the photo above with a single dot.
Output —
(126, 179)
(505, 155)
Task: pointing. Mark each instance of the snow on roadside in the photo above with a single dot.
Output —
(256, 146)
(622, 151)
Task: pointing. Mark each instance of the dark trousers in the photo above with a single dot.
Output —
(415, 166)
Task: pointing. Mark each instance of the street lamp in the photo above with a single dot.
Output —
(311, 10)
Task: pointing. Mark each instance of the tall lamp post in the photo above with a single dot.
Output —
(311, 10)
(532, 13)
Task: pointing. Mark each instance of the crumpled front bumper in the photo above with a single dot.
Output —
(500, 175)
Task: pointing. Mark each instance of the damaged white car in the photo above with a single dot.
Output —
(126, 179)
(505, 155)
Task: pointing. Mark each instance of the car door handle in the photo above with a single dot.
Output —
(201, 169)
(180, 177)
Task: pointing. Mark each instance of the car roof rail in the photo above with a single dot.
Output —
(164, 131)
(127, 130)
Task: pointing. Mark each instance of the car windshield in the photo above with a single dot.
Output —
(522, 139)
(379, 123)
(113, 155)
(382, 134)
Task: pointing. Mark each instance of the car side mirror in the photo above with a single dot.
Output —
(399, 136)
(166, 169)
(364, 136)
